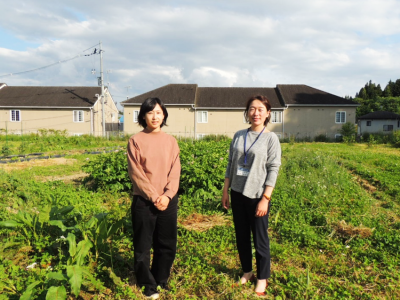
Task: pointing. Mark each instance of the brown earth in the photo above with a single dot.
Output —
(199, 222)
(37, 163)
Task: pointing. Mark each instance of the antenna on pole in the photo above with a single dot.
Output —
(102, 91)
(127, 88)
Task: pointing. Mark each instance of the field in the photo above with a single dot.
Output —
(66, 228)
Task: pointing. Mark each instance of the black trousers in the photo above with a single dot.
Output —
(244, 210)
(157, 229)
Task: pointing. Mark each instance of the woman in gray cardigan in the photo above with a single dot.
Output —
(254, 161)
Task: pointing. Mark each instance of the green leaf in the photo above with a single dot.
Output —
(117, 281)
(277, 217)
(115, 227)
(101, 230)
(72, 244)
(91, 222)
(56, 276)
(82, 251)
(10, 223)
(65, 210)
(24, 218)
(58, 223)
(27, 295)
(56, 293)
(75, 278)
(44, 213)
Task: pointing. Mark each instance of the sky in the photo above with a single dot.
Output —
(336, 46)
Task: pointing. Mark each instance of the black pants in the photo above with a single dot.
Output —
(244, 210)
(152, 227)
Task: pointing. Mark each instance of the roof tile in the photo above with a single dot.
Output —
(48, 96)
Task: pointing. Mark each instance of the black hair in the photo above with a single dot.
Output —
(148, 105)
(264, 100)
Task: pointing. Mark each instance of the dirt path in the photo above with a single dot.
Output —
(37, 163)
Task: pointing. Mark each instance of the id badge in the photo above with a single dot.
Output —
(242, 171)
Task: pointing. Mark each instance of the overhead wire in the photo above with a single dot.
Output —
(53, 64)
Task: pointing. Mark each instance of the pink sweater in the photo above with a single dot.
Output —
(153, 164)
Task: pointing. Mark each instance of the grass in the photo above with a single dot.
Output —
(334, 228)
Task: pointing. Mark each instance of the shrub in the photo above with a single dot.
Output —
(348, 131)
(109, 171)
(321, 138)
(396, 138)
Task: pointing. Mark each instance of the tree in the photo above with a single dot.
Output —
(387, 92)
(363, 94)
(348, 131)
(396, 89)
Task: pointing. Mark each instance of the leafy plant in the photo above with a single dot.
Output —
(348, 131)
(6, 149)
(109, 171)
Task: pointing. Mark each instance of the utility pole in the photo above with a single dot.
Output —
(102, 91)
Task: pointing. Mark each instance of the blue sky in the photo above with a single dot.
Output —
(336, 46)
(11, 41)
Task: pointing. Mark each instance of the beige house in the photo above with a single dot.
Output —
(379, 122)
(297, 110)
(27, 109)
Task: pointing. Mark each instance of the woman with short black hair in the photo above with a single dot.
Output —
(154, 168)
(253, 165)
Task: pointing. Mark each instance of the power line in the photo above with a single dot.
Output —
(56, 63)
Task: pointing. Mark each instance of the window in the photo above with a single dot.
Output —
(340, 117)
(135, 116)
(78, 134)
(202, 117)
(15, 115)
(78, 115)
(368, 123)
(387, 127)
(276, 117)
(200, 136)
(112, 117)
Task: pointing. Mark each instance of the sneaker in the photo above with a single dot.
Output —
(154, 296)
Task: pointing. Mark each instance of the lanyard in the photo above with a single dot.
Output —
(245, 139)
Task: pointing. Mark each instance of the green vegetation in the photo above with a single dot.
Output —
(373, 98)
(54, 141)
(334, 226)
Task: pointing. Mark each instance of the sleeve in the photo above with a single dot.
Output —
(174, 175)
(229, 166)
(136, 173)
(273, 161)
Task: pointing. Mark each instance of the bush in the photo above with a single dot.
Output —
(348, 131)
(203, 172)
(321, 138)
(396, 139)
(109, 171)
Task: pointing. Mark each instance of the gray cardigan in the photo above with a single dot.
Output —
(263, 162)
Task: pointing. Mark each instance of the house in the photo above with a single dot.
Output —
(297, 110)
(27, 109)
(378, 122)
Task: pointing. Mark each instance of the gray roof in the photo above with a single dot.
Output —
(381, 115)
(236, 97)
(169, 94)
(300, 94)
(233, 97)
(48, 96)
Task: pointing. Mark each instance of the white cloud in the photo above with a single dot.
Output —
(333, 45)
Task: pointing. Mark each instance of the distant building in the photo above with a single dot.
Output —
(297, 110)
(26, 109)
(379, 122)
